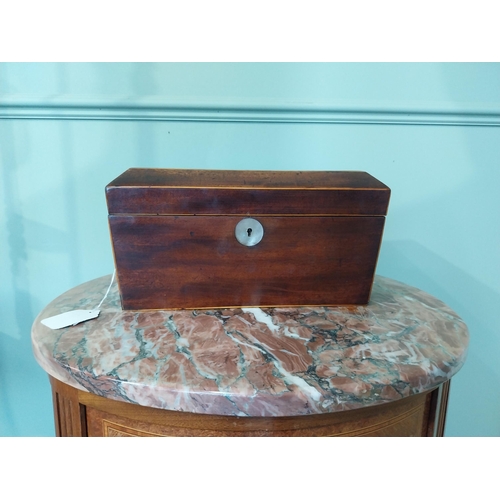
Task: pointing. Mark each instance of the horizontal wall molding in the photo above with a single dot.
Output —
(17, 109)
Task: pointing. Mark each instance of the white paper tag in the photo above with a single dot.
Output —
(70, 318)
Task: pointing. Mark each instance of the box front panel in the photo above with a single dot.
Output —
(168, 262)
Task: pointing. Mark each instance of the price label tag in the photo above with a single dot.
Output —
(70, 318)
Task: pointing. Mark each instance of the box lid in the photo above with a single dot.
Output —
(156, 191)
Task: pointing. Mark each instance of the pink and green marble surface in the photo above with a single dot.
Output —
(255, 362)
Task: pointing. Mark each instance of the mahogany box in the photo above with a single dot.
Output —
(218, 239)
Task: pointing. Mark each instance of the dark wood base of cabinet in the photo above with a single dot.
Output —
(81, 414)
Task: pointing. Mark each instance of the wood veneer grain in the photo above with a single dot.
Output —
(193, 262)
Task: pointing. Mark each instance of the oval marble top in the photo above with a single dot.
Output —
(251, 361)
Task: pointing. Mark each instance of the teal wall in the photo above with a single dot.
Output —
(429, 131)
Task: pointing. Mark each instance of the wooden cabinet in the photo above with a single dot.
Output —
(288, 371)
(79, 413)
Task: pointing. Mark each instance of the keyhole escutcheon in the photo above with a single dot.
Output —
(249, 232)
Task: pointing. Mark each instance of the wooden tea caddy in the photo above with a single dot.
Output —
(192, 239)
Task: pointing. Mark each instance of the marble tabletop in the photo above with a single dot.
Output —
(255, 362)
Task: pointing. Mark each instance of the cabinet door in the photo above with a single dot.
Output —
(407, 418)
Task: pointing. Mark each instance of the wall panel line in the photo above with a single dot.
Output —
(259, 113)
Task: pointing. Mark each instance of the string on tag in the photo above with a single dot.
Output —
(109, 288)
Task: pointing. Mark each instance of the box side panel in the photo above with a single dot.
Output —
(243, 201)
(196, 262)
